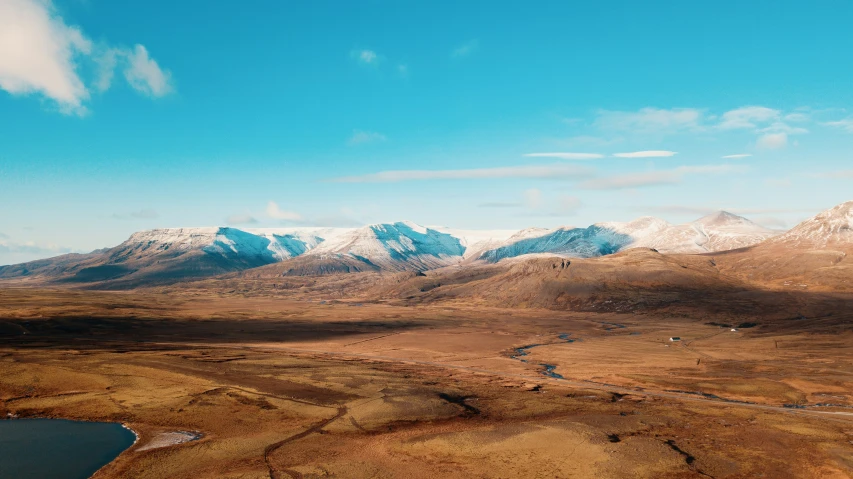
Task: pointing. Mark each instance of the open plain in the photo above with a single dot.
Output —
(265, 385)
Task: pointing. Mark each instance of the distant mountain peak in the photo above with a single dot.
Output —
(833, 226)
(722, 217)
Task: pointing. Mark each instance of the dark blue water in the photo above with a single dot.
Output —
(57, 448)
(549, 371)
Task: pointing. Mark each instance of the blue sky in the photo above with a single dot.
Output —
(121, 116)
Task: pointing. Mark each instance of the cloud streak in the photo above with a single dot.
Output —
(650, 120)
(646, 154)
(566, 155)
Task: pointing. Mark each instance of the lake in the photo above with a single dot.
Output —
(58, 448)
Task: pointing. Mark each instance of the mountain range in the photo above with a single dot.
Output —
(163, 256)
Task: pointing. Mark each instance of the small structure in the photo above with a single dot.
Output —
(675, 338)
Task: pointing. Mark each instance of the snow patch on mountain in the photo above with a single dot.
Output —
(716, 232)
(396, 246)
(833, 227)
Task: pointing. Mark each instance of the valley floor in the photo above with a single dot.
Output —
(273, 387)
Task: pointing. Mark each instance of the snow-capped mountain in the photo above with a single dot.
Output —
(833, 227)
(395, 247)
(716, 232)
(720, 231)
(168, 255)
(815, 254)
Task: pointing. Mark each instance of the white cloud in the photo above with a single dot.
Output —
(747, 117)
(646, 154)
(736, 156)
(360, 137)
(846, 124)
(656, 178)
(797, 117)
(465, 49)
(31, 247)
(772, 141)
(403, 70)
(650, 120)
(779, 127)
(275, 212)
(243, 219)
(145, 75)
(366, 57)
(566, 156)
(38, 54)
(533, 198)
(142, 73)
(555, 172)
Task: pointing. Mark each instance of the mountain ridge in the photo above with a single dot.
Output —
(164, 255)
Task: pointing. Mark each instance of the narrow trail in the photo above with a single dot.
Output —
(273, 472)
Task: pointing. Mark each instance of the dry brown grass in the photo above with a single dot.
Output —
(280, 387)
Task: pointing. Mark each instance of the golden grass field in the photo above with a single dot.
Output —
(280, 387)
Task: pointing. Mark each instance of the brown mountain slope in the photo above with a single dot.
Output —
(817, 254)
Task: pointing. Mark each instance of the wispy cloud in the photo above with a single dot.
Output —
(41, 54)
(772, 141)
(736, 156)
(242, 219)
(365, 56)
(403, 70)
(556, 172)
(747, 117)
(845, 124)
(650, 120)
(142, 73)
(566, 155)
(360, 137)
(31, 247)
(646, 154)
(275, 212)
(145, 75)
(656, 178)
(466, 49)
